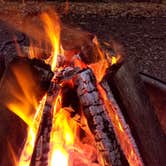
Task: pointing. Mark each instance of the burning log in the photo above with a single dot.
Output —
(121, 128)
(33, 74)
(97, 118)
(2, 65)
(129, 92)
(41, 151)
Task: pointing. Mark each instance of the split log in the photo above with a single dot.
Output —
(97, 118)
(40, 154)
(122, 129)
(12, 135)
(41, 151)
(130, 93)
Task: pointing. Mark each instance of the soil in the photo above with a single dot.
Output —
(138, 27)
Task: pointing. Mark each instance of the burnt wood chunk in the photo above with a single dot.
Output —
(42, 146)
(97, 118)
(130, 92)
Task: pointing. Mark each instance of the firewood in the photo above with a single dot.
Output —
(122, 129)
(139, 112)
(41, 150)
(97, 118)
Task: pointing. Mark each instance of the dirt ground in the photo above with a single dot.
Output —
(138, 27)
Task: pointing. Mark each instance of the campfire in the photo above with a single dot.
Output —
(76, 120)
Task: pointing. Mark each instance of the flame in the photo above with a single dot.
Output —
(122, 133)
(52, 30)
(24, 102)
(100, 67)
(64, 129)
(29, 102)
(32, 51)
(114, 60)
(50, 39)
(66, 149)
(98, 47)
(106, 60)
(59, 157)
(62, 135)
(29, 145)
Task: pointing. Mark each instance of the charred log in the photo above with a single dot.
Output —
(2, 65)
(41, 151)
(97, 118)
(122, 129)
(40, 155)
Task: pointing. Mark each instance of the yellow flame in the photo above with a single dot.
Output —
(52, 29)
(124, 138)
(29, 145)
(62, 135)
(23, 95)
(114, 60)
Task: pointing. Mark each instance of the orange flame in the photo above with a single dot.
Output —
(12, 154)
(62, 135)
(52, 29)
(106, 60)
(29, 102)
(25, 102)
(29, 145)
(63, 129)
(100, 67)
